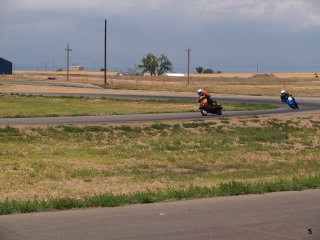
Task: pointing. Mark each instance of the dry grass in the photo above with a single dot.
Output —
(45, 168)
(241, 83)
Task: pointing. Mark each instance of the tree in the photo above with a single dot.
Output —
(149, 63)
(208, 70)
(154, 65)
(199, 70)
(164, 65)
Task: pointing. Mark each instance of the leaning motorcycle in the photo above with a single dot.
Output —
(205, 107)
(292, 102)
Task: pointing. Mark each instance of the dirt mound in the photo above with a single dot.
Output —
(264, 76)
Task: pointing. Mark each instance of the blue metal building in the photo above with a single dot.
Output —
(5, 66)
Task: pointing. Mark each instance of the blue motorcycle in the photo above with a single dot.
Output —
(292, 102)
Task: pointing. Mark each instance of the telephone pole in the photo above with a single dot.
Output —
(188, 50)
(105, 51)
(68, 49)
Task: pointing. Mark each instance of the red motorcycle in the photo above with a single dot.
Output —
(205, 107)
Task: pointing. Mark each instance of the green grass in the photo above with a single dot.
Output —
(248, 106)
(39, 106)
(191, 159)
(113, 200)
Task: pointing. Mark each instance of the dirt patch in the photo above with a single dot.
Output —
(264, 76)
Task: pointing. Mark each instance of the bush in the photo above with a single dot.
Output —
(208, 71)
(199, 70)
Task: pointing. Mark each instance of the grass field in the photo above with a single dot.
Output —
(153, 161)
(39, 106)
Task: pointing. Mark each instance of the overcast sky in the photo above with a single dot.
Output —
(228, 35)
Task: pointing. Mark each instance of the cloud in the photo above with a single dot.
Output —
(289, 14)
(294, 15)
(118, 7)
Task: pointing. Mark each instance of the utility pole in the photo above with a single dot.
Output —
(105, 51)
(188, 50)
(68, 49)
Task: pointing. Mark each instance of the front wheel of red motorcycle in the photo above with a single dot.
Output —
(204, 112)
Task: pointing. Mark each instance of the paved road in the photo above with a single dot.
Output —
(50, 83)
(282, 216)
(307, 104)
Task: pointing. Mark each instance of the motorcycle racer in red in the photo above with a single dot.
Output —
(205, 94)
(207, 105)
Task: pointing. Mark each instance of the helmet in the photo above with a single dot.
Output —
(200, 91)
(283, 91)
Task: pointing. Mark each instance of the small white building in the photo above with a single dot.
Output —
(174, 74)
(76, 68)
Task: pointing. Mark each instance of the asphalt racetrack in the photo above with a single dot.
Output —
(307, 105)
(273, 216)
